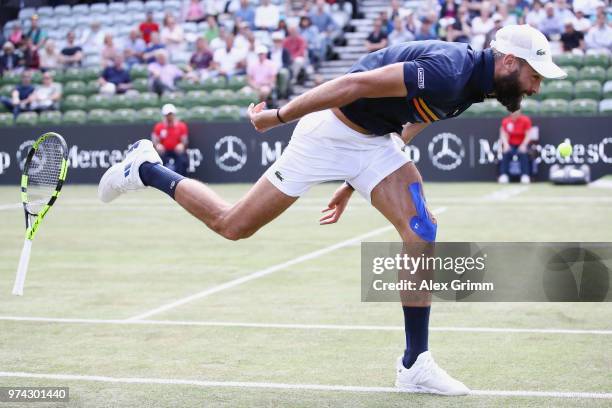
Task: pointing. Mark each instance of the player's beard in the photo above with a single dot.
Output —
(508, 91)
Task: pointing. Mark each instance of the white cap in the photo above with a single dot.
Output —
(278, 35)
(261, 49)
(524, 41)
(168, 108)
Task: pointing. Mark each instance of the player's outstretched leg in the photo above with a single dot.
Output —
(142, 167)
(399, 197)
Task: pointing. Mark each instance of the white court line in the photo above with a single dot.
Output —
(505, 193)
(295, 325)
(261, 273)
(286, 386)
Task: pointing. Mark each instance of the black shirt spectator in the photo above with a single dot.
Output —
(378, 37)
(571, 38)
(72, 54)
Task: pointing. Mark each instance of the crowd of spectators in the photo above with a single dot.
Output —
(579, 27)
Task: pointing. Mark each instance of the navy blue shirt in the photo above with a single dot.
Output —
(116, 75)
(442, 79)
(24, 91)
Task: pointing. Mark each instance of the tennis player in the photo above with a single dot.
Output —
(343, 134)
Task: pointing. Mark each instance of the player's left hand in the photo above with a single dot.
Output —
(336, 205)
(261, 118)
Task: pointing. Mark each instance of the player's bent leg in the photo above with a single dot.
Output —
(399, 197)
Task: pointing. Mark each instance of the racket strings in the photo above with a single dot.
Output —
(43, 173)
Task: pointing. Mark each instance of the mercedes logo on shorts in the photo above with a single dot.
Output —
(446, 151)
(230, 153)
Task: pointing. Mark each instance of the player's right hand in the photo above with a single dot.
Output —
(336, 205)
(261, 118)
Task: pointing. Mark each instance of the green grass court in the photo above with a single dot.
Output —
(116, 283)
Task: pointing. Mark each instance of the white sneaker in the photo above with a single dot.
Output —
(525, 179)
(503, 179)
(123, 177)
(426, 377)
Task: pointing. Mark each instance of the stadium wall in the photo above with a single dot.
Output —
(457, 150)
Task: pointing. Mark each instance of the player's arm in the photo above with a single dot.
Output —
(384, 82)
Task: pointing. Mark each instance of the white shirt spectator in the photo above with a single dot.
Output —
(587, 6)
(173, 38)
(599, 38)
(535, 17)
(267, 16)
(228, 60)
(582, 24)
(43, 95)
(49, 56)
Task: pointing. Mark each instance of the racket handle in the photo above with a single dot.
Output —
(24, 260)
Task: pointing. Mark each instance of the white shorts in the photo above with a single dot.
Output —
(322, 148)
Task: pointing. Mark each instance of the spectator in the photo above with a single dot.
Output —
(325, 24)
(21, 97)
(551, 26)
(296, 45)
(109, 51)
(229, 60)
(399, 33)
(115, 79)
(562, 11)
(246, 13)
(498, 23)
(47, 95)
(599, 36)
(506, 18)
(152, 48)
(219, 41)
(378, 37)
(29, 54)
(282, 61)
(162, 74)
(200, 61)
(267, 16)
(9, 60)
(572, 39)
(316, 45)
(172, 35)
(241, 35)
(459, 31)
(581, 23)
(36, 33)
(16, 35)
(212, 31)
(134, 49)
(586, 7)
(148, 27)
(448, 9)
(92, 39)
(170, 138)
(72, 54)
(262, 74)
(425, 31)
(49, 57)
(536, 15)
(481, 25)
(194, 12)
(396, 10)
(514, 140)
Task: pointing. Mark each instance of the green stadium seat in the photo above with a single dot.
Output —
(588, 90)
(196, 98)
(27, 119)
(12, 78)
(139, 71)
(140, 84)
(227, 113)
(6, 90)
(609, 74)
(557, 90)
(245, 96)
(91, 88)
(236, 83)
(71, 102)
(530, 107)
(186, 86)
(145, 100)
(122, 101)
(605, 107)
(148, 115)
(176, 98)
(6, 119)
(91, 74)
(593, 73)
(74, 117)
(554, 107)
(98, 101)
(583, 107)
(492, 108)
(50, 118)
(572, 73)
(73, 74)
(598, 60)
(220, 97)
(203, 113)
(210, 84)
(74, 88)
(101, 116)
(36, 77)
(568, 60)
(607, 90)
(125, 116)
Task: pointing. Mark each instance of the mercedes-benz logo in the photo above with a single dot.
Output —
(230, 153)
(446, 151)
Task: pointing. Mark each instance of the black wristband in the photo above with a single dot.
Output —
(278, 116)
(349, 185)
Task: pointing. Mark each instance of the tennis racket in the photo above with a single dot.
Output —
(43, 175)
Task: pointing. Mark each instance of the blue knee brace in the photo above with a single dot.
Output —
(421, 223)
